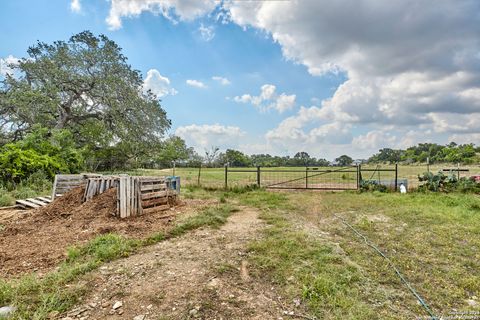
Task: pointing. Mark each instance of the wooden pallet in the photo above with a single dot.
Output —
(33, 203)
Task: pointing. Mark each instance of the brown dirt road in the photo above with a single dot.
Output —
(203, 274)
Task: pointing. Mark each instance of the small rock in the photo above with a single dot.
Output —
(297, 302)
(140, 317)
(6, 311)
(53, 315)
(117, 304)
(472, 302)
(120, 312)
(193, 312)
(105, 304)
(150, 306)
(213, 283)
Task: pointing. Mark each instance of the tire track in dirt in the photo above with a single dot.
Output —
(200, 275)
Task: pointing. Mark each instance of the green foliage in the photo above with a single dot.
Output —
(299, 159)
(84, 85)
(435, 153)
(17, 164)
(103, 248)
(372, 185)
(38, 157)
(387, 155)
(6, 199)
(173, 149)
(236, 158)
(344, 160)
(441, 182)
(213, 217)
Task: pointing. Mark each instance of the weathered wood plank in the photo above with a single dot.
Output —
(70, 177)
(27, 204)
(139, 198)
(150, 187)
(54, 190)
(154, 202)
(44, 199)
(39, 202)
(123, 197)
(146, 196)
(156, 209)
(151, 180)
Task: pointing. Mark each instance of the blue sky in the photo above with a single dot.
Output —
(294, 78)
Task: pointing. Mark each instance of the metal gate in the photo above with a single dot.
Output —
(334, 178)
(319, 178)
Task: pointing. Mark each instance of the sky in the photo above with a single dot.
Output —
(325, 77)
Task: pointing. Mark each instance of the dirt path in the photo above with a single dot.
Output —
(201, 275)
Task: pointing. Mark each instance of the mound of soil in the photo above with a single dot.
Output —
(38, 239)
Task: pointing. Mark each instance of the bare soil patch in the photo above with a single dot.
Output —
(37, 240)
(201, 275)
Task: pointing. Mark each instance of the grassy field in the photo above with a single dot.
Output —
(215, 177)
(432, 238)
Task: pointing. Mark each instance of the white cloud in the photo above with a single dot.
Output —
(205, 136)
(158, 84)
(292, 131)
(206, 32)
(5, 65)
(222, 80)
(196, 83)
(268, 99)
(413, 67)
(170, 9)
(75, 6)
(406, 65)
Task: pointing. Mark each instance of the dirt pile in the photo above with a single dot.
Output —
(38, 239)
(70, 204)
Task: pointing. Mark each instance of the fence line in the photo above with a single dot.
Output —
(335, 178)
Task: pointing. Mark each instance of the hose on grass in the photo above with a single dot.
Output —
(399, 274)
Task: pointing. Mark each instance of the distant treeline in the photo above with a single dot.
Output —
(429, 152)
(421, 153)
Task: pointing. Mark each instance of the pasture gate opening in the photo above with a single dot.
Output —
(314, 178)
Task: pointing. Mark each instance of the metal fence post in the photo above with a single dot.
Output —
(396, 177)
(306, 177)
(258, 176)
(226, 176)
(358, 176)
(199, 173)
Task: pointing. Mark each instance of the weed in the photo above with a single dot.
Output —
(212, 217)
(226, 268)
(6, 199)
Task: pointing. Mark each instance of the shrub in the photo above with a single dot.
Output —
(372, 185)
(441, 182)
(40, 155)
(17, 164)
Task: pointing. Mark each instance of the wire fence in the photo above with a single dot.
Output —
(326, 178)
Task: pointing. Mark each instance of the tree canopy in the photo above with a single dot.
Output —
(84, 85)
(435, 153)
